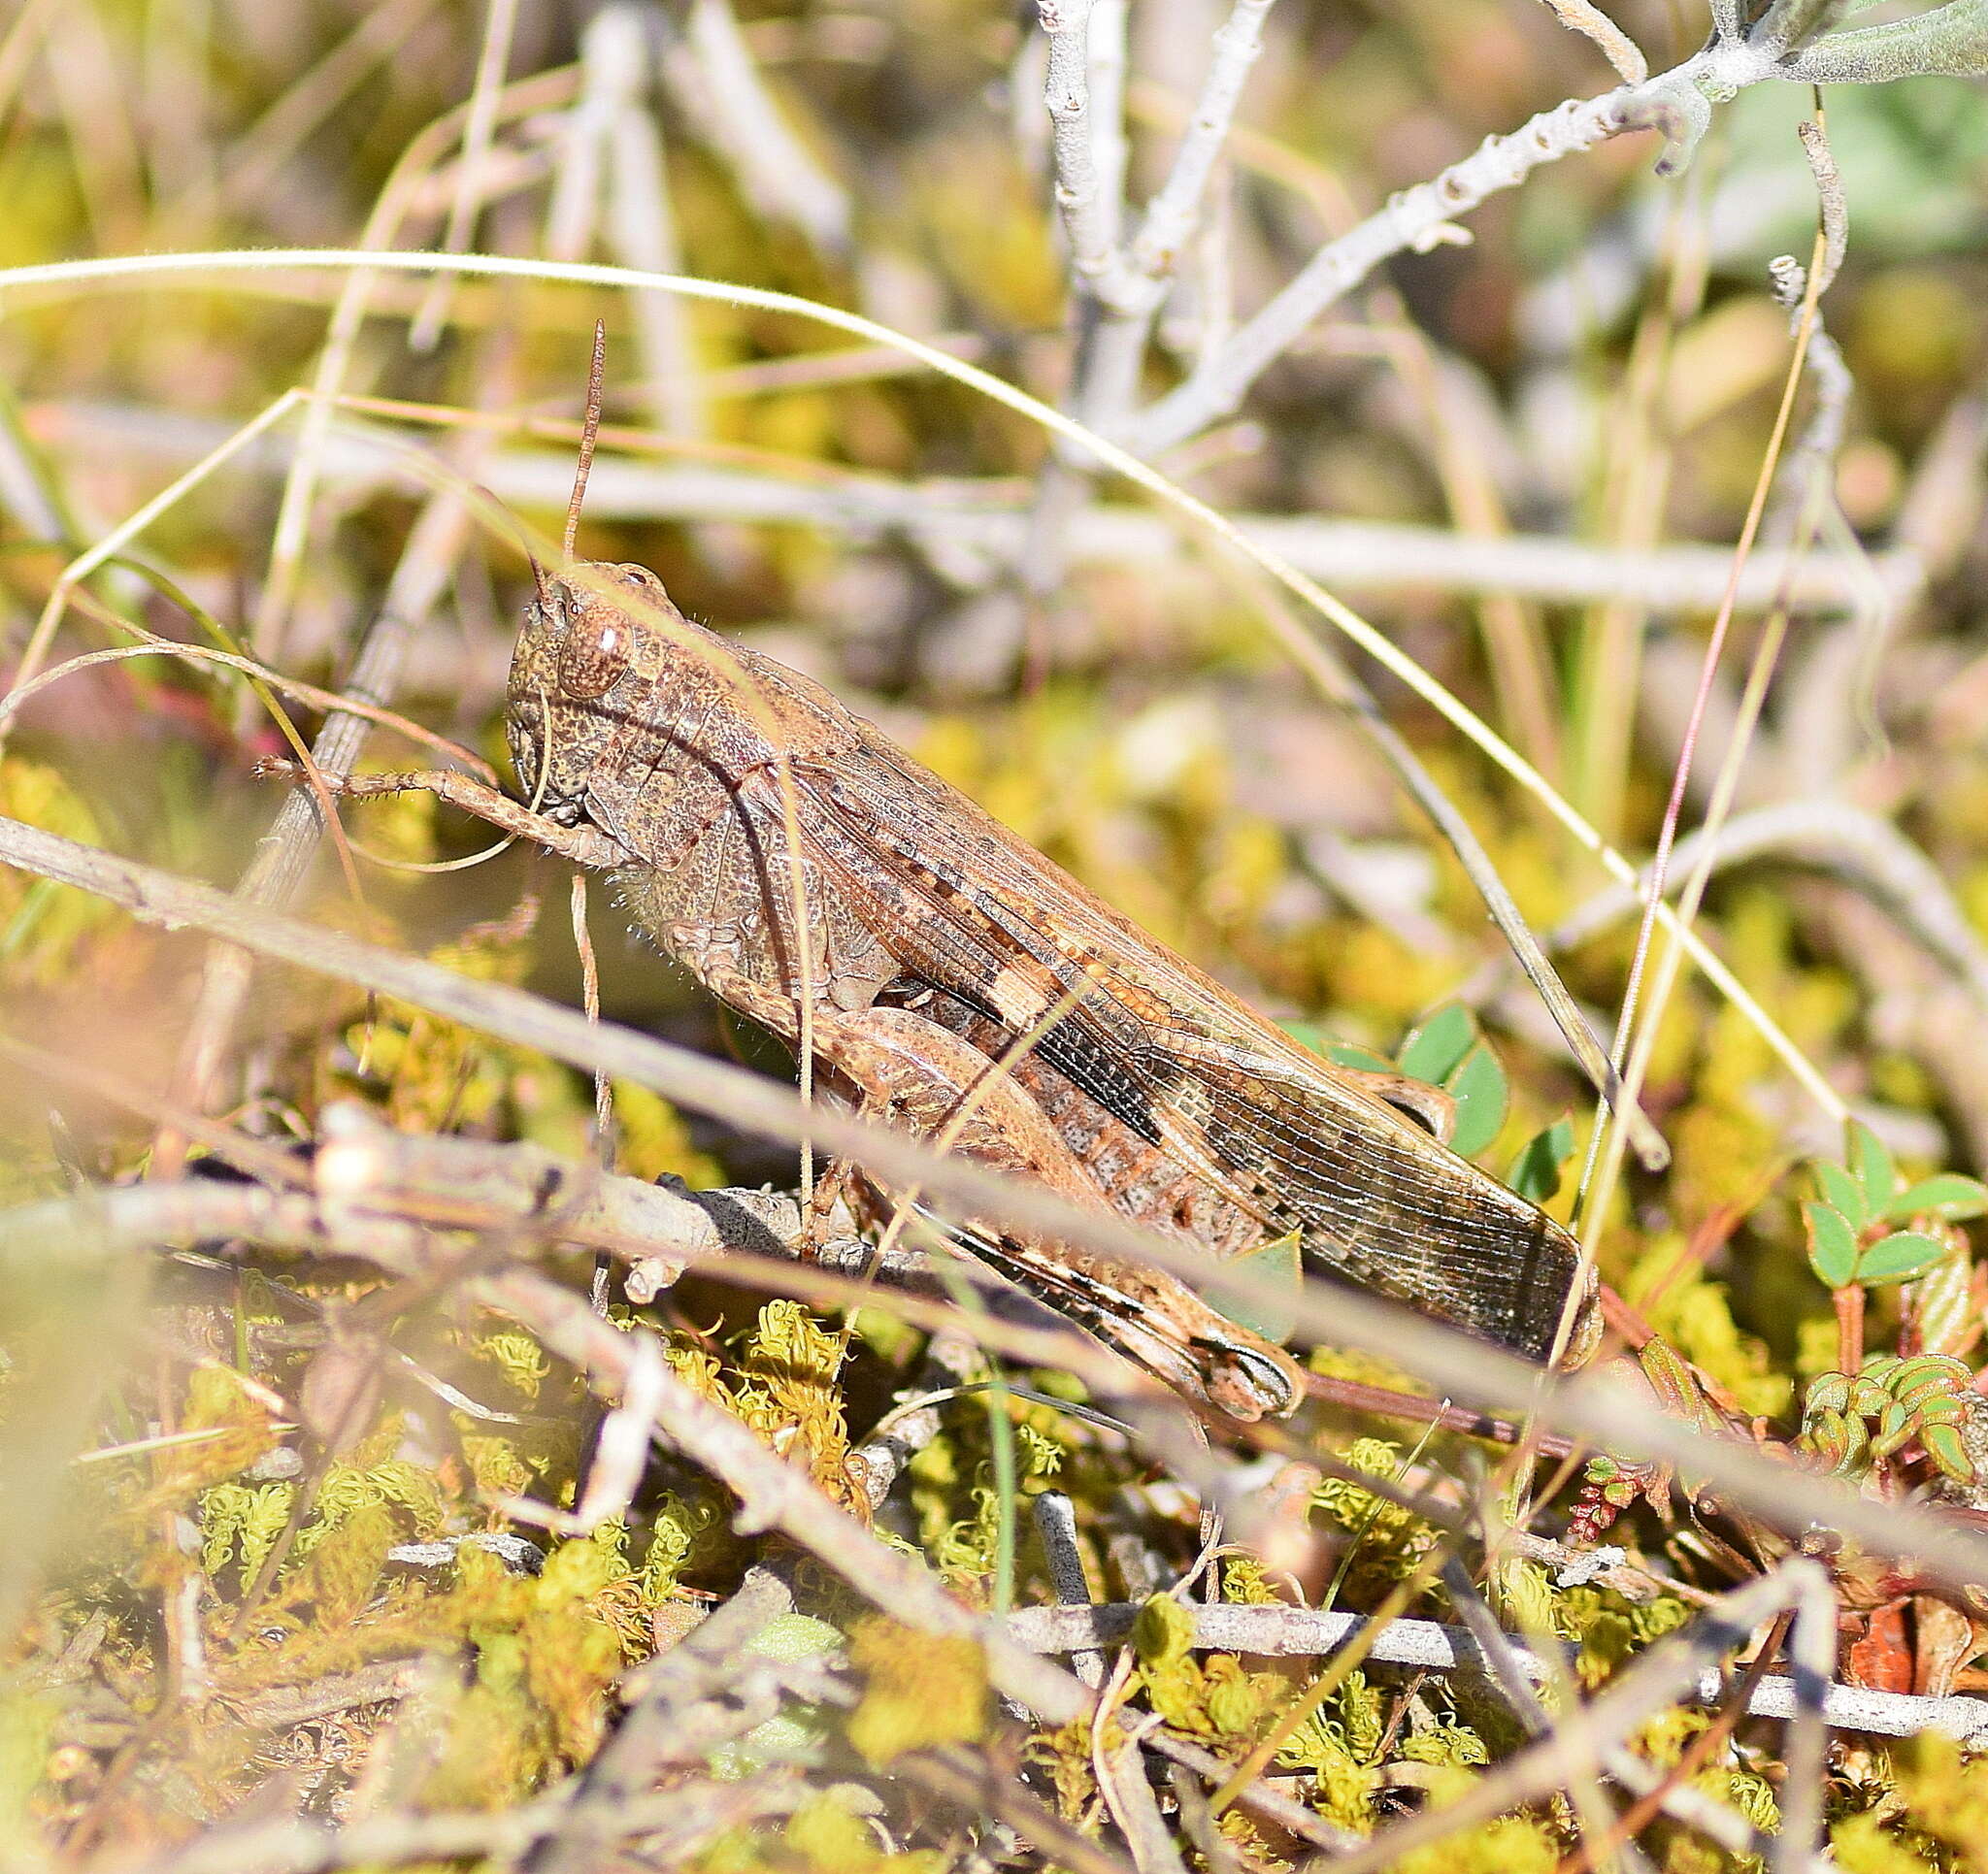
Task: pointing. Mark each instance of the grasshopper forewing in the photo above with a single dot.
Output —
(1288, 1141)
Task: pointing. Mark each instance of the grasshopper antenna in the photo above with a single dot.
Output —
(531, 559)
(590, 433)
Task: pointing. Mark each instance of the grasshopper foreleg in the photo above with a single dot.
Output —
(584, 845)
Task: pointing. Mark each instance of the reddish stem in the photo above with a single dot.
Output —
(1849, 1300)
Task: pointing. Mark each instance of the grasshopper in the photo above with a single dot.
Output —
(962, 987)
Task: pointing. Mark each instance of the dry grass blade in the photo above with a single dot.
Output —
(1300, 647)
(1594, 1407)
(436, 1423)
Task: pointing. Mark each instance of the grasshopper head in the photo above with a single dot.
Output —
(593, 643)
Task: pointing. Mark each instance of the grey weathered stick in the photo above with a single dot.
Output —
(625, 1767)
(1515, 1674)
(353, 1214)
(1617, 46)
(977, 1784)
(1865, 851)
(1303, 1633)
(1057, 1527)
(283, 854)
(1257, 1797)
(1126, 282)
(1198, 1822)
(1813, 1652)
(1424, 217)
(1120, 1771)
(1669, 1671)
(1172, 213)
(1087, 222)
(983, 517)
(279, 1707)
(1595, 1406)
(773, 1495)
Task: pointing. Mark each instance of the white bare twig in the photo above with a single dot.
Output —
(620, 1451)
(1056, 1529)
(1121, 283)
(713, 77)
(1171, 217)
(1677, 1667)
(1594, 1405)
(1813, 1652)
(1424, 217)
(1519, 1675)
(983, 520)
(1110, 150)
(1300, 1633)
(1617, 46)
(1089, 223)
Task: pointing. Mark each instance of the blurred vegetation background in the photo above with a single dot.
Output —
(1524, 456)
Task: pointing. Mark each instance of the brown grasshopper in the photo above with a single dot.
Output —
(965, 989)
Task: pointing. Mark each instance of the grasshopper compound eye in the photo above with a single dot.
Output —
(594, 653)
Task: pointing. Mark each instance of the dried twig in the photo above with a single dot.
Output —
(282, 856)
(1172, 213)
(714, 79)
(1425, 217)
(1866, 852)
(1304, 1633)
(773, 1494)
(683, 1818)
(1056, 1527)
(980, 1787)
(626, 1766)
(1592, 1406)
(1670, 1670)
(985, 522)
(1617, 46)
(372, 1204)
(1088, 220)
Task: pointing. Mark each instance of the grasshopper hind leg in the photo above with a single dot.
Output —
(924, 1079)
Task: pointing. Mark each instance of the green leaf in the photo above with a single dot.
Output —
(1535, 1173)
(1483, 1097)
(1944, 1446)
(1274, 1317)
(1832, 1245)
(1952, 40)
(1899, 1256)
(1347, 1054)
(1788, 24)
(1875, 1171)
(1436, 1050)
(1949, 1195)
(1307, 1034)
(1838, 1189)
